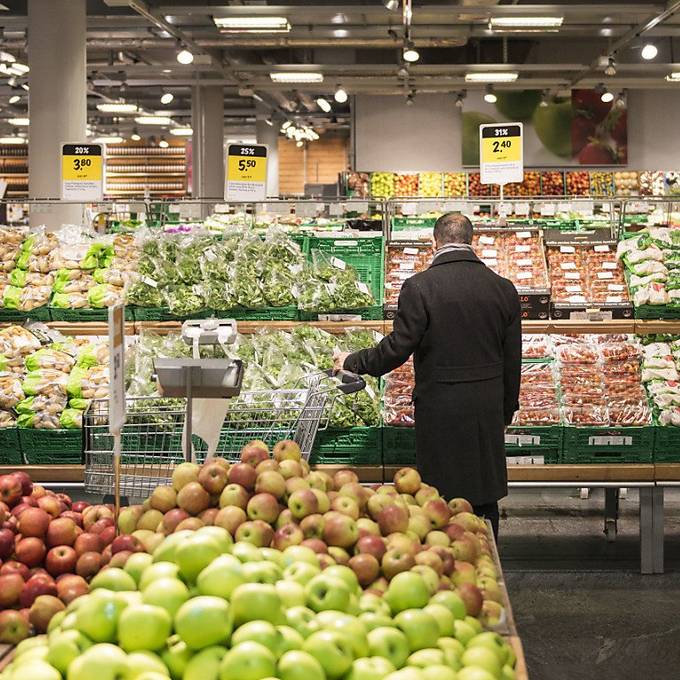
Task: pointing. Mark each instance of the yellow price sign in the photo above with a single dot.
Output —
(501, 153)
(82, 172)
(246, 172)
(248, 169)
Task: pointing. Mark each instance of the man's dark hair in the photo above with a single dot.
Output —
(452, 228)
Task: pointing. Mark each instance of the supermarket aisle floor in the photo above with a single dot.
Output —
(582, 608)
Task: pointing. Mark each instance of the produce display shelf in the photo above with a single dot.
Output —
(608, 444)
(535, 442)
(662, 312)
(399, 446)
(374, 313)
(47, 447)
(288, 313)
(85, 315)
(667, 444)
(10, 447)
(17, 315)
(163, 314)
(348, 446)
(247, 327)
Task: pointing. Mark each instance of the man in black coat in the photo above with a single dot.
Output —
(461, 321)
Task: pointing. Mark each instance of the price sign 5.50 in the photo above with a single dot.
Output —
(246, 173)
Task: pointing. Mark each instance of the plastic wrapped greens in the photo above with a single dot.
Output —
(49, 404)
(11, 392)
(50, 359)
(104, 295)
(26, 299)
(71, 419)
(22, 278)
(184, 300)
(70, 301)
(145, 293)
(47, 382)
(88, 383)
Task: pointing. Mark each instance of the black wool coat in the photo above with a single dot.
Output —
(461, 321)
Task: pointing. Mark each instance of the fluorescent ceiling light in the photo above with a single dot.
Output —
(108, 139)
(673, 77)
(296, 77)
(182, 131)
(14, 99)
(525, 22)
(153, 120)
(19, 122)
(491, 77)
(323, 104)
(12, 140)
(252, 24)
(117, 107)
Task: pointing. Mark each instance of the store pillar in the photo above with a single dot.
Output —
(269, 135)
(57, 100)
(207, 118)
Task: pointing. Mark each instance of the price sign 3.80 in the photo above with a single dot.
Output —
(82, 172)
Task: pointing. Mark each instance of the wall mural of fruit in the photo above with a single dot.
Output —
(565, 130)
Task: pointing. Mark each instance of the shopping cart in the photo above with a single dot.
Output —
(151, 439)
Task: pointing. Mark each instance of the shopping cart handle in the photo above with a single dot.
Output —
(349, 382)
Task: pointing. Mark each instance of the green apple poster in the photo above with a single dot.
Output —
(573, 129)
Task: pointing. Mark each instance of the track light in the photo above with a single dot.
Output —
(489, 95)
(620, 102)
(391, 5)
(135, 136)
(167, 97)
(323, 104)
(606, 96)
(410, 53)
(185, 57)
(649, 51)
(340, 95)
(163, 143)
(14, 99)
(544, 100)
(459, 99)
(610, 69)
(410, 98)
(299, 143)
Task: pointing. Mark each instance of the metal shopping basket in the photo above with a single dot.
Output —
(151, 439)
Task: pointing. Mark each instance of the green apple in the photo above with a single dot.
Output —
(327, 592)
(138, 664)
(292, 594)
(205, 665)
(344, 574)
(272, 555)
(494, 642)
(97, 617)
(299, 553)
(220, 535)
(36, 669)
(299, 665)
(262, 572)
(332, 650)
(439, 672)
(372, 620)
(221, 577)
(370, 668)
(247, 661)
(302, 620)
(151, 675)
(452, 601)
(406, 673)
(348, 625)
(64, 647)
(165, 552)
(246, 552)
(168, 593)
(390, 643)
(474, 673)
(508, 673)
(35, 653)
(143, 626)
(370, 602)
(157, 571)
(301, 572)
(290, 639)
(56, 620)
(421, 629)
(176, 657)
(407, 590)
(30, 643)
(256, 601)
(482, 657)
(113, 578)
(453, 651)
(443, 616)
(259, 631)
(474, 623)
(129, 597)
(203, 621)
(426, 657)
(463, 631)
(195, 554)
(99, 662)
(136, 564)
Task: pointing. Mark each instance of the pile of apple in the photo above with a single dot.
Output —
(205, 608)
(49, 548)
(378, 532)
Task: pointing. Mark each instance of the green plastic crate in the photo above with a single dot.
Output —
(163, 314)
(85, 315)
(350, 445)
(608, 444)
(662, 312)
(399, 445)
(667, 444)
(365, 254)
(289, 313)
(16, 315)
(375, 313)
(10, 447)
(52, 447)
(535, 441)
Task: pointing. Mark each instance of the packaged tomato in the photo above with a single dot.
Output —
(587, 415)
(577, 354)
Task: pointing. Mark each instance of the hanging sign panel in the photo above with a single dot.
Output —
(82, 172)
(501, 155)
(246, 173)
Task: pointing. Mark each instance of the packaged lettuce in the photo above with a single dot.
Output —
(145, 293)
(115, 277)
(7, 419)
(277, 286)
(92, 355)
(74, 383)
(104, 295)
(80, 404)
(42, 403)
(11, 298)
(4, 363)
(21, 278)
(71, 419)
(88, 383)
(184, 300)
(219, 295)
(70, 301)
(91, 258)
(45, 381)
(38, 421)
(72, 281)
(50, 358)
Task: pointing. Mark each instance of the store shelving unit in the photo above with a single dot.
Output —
(141, 169)
(14, 169)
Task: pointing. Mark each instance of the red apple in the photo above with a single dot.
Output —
(88, 542)
(25, 481)
(453, 531)
(106, 555)
(10, 590)
(75, 516)
(190, 524)
(108, 534)
(42, 610)
(30, 551)
(130, 544)
(19, 508)
(243, 474)
(366, 567)
(65, 499)
(230, 517)
(6, 543)
(14, 627)
(315, 544)
(253, 453)
(29, 500)
(120, 558)
(61, 531)
(61, 560)
(396, 561)
(458, 505)
(472, 598)
(93, 514)
(371, 545)
(14, 567)
(50, 504)
(38, 491)
(89, 564)
(71, 586)
(4, 512)
(393, 518)
(10, 489)
(80, 506)
(193, 498)
(36, 585)
(172, 518)
(98, 526)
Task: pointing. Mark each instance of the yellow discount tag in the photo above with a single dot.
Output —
(501, 153)
(501, 150)
(85, 168)
(82, 172)
(247, 169)
(246, 172)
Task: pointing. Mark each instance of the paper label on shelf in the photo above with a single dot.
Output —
(576, 299)
(453, 206)
(501, 153)
(572, 276)
(605, 275)
(573, 289)
(409, 209)
(616, 287)
(505, 209)
(522, 440)
(410, 266)
(363, 288)
(490, 263)
(521, 276)
(610, 265)
(521, 209)
(117, 368)
(246, 173)
(522, 249)
(612, 440)
(601, 249)
(189, 211)
(547, 209)
(411, 251)
(221, 208)
(524, 263)
(585, 208)
(523, 234)
(614, 298)
(487, 240)
(567, 249)
(82, 172)
(489, 252)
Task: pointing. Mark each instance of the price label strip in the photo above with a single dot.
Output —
(82, 172)
(501, 153)
(246, 175)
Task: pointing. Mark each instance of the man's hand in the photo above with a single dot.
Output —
(339, 360)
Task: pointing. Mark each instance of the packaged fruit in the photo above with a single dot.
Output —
(578, 183)
(552, 183)
(626, 183)
(652, 183)
(382, 184)
(454, 184)
(602, 183)
(430, 184)
(406, 185)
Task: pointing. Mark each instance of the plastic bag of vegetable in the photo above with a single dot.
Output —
(104, 295)
(7, 419)
(183, 301)
(70, 301)
(11, 392)
(52, 404)
(45, 381)
(39, 421)
(145, 292)
(51, 359)
(71, 419)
